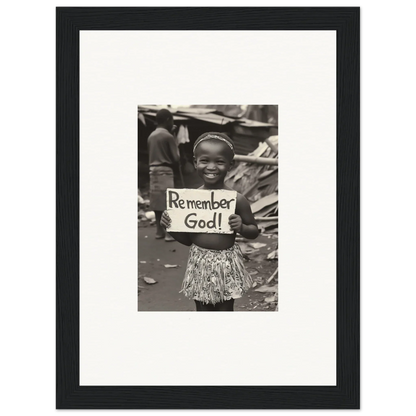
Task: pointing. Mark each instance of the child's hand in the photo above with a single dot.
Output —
(235, 222)
(165, 221)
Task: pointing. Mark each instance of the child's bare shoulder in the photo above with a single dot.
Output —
(241, 198)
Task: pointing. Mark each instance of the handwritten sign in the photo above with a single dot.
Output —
(200, 210)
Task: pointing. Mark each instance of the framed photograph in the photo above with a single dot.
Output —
(255, 208)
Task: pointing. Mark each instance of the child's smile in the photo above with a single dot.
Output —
(211, 175)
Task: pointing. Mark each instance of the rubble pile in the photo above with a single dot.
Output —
(259, 184)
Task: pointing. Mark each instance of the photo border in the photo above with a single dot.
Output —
(69, 22)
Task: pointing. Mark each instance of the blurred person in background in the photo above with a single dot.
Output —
(163, 161)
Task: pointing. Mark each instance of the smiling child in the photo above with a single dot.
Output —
(215, 274)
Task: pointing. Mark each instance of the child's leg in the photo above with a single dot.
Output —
(228, 305)
(204, 307)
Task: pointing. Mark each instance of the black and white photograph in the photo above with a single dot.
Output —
(208, 208)
(209, 165)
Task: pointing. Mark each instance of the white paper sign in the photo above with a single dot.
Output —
(200, 210)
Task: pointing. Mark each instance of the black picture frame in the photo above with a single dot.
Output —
(346, 394)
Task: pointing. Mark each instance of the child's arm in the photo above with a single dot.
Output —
(182, 238)
(243, 221)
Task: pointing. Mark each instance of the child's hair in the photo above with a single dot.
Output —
(212, 135)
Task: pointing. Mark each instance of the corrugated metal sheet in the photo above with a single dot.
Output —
(154, 108)
(234, 111)
(209, 118)
(194, 110)
(262, 113)
(153, 115)
(252, 123)
(245, 144)
(246, 139)
(247, 134)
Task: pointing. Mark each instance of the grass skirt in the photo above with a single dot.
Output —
(214, 276)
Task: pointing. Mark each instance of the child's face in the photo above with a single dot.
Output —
(212, 160)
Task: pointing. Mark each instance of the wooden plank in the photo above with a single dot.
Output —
(267, 224)
(272, 179)
(266, 173)
(257, 160)
(271, 145)
(264, 202)
(266, 210)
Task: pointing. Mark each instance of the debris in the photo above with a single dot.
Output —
(259, 184)
(271, 145)
(271, 233)
(272, 276)
(258, 160)
(266, 218)
(149, 280)
(272, 255)
(267, 201)
(158, 260)
(171, 266)
(150, 215)
(254, 284)
(268, 173)
(257, 245)
(270, 299)
(267, 224)
(253, 272)
(249, 250)
(142, 215)
(142, 261)
(246, 249)
(259, 258)
(265, 289)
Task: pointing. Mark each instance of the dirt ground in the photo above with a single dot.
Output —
(164, 295)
